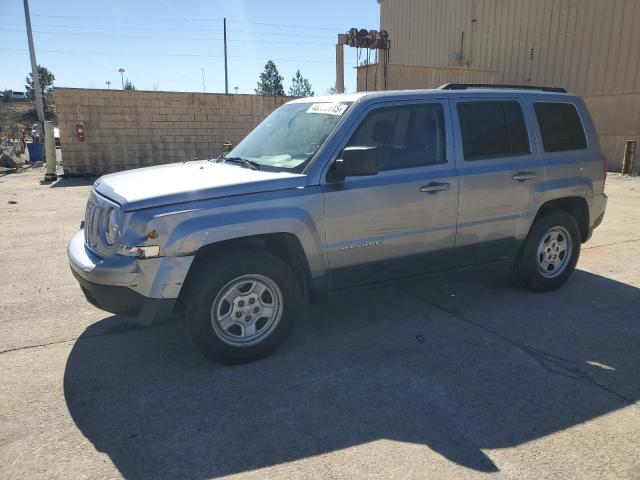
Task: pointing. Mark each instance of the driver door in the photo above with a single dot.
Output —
(392, 224)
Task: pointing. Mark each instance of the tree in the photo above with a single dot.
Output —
(46, 83)
(300, 86)
(270, 81)
(128, 85)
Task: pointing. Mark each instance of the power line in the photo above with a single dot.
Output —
(115, 27)
(157, 37)
(135, 29)
(298, 35)
(94, 17)
(306, 27)
(196, 55)
(198, 20)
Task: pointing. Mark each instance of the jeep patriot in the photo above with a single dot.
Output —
(338, 191)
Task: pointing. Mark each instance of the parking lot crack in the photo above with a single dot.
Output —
(612, 243)
(125, 328)
(551, 362)
(38, 345)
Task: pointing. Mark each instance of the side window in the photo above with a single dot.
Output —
(492, 129)
(405, 137)
(560, 127)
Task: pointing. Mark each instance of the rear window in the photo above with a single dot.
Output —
(492, 129)
(560, 127)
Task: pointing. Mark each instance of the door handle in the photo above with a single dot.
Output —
(524, 176)
(434, 187)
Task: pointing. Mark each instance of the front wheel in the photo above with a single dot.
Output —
(550, 252)
(242, 306)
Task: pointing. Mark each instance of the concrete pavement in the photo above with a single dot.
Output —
(454, 376)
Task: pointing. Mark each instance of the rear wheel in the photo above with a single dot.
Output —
(242, 307)
(550, 252)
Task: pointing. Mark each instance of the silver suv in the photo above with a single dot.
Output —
(337, 191)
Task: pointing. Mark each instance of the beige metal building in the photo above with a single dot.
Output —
(590, 47)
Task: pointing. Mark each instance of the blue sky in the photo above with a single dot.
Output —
(167, 42)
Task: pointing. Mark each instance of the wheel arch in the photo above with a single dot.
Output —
(577, 207)
(285, 245)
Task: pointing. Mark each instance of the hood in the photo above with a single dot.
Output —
(189, 181)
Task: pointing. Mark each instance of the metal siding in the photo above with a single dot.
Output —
(588, 46)
(626, 37)
(416, 77)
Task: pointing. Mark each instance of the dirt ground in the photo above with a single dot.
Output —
(454, 376)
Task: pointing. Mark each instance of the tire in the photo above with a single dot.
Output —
(225, 293)
(540, 266)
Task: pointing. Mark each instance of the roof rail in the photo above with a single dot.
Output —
(464, 86)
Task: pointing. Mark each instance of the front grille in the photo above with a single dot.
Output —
(95, 217)
(91, 223)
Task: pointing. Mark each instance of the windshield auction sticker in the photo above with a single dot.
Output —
(328, 108)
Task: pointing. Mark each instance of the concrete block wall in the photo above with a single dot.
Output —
(131, 129)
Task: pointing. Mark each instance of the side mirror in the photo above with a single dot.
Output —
(355, 162)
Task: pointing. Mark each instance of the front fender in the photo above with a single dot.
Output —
(297, 211)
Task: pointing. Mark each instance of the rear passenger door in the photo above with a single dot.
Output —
(500, 171)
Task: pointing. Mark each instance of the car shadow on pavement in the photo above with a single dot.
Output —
(459, 363)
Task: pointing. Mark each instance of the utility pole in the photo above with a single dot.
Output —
(204, 89)
(50, 149)
(342, 40)
(34, 66)
(226, 75)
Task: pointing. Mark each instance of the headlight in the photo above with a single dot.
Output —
(111, 229)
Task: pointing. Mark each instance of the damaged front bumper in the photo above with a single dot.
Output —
(144, 289)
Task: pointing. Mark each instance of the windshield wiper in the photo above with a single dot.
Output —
(244, 161)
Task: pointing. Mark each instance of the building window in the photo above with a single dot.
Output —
(492, 129)
(560, 127)
(405, 136)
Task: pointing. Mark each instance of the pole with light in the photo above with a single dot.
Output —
(226, 75)
(122, 70)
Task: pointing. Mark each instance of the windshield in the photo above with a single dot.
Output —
(290, 136)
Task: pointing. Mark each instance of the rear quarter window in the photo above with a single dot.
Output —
(560, 127)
